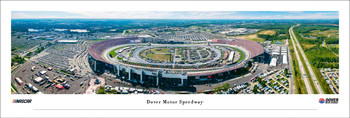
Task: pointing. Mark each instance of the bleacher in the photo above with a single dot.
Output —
(254, 48)
(97, 49)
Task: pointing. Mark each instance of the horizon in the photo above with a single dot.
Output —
(150, 19)
(179, 15)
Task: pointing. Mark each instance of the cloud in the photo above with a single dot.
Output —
(177, 14)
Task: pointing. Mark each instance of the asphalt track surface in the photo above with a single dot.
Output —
(312, 74)
(114, 61)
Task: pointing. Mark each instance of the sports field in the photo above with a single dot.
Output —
(161, 53)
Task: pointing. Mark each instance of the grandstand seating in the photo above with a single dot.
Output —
(254, 48)
(97, 49)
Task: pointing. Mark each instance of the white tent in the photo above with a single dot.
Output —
(273, 62)
(285, 61)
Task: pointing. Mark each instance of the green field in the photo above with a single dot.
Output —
(113, 53)
(164, 57)
(97, 39)
(161, 53)
(242, 55)
(264, 35)
(162, 50)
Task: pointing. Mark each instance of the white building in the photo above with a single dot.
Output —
(232, 53)
(273, 62)
(285, 59)
(67, 41)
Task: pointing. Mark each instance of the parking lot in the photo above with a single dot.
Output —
(332, 78)
(51, 81)
(272, 82)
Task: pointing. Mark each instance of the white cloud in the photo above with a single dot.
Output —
(175, 15)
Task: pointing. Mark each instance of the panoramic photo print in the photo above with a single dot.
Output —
(175, 52)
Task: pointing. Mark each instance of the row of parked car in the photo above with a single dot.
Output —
(127, 90)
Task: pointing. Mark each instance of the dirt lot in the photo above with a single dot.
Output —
(268, 32)
(254, 37)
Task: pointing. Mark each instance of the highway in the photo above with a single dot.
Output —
(292, 79)
(301, 68)
(312, 74)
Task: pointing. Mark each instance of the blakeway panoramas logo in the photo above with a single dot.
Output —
(22, 101)
(328, 101)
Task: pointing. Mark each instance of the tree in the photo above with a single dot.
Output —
(49, 44)
(217, 89)
(29, 54)
(101, 90)
(113, 91)
(262, 82)
(18, 59)
(285, 72)
(225, 86)
(255, 89)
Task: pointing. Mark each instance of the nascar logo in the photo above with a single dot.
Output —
(21, 100)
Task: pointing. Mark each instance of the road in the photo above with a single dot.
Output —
(35, 48)
(291, 80)
(29, 50)
(334, 85)
(301, 68)
(238, 80)
(312, 74)
(13, 73)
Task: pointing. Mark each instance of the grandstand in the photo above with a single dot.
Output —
(254, 48)
(163, 74)
(96, 50)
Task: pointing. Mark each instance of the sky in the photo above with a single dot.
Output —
(177, 14)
